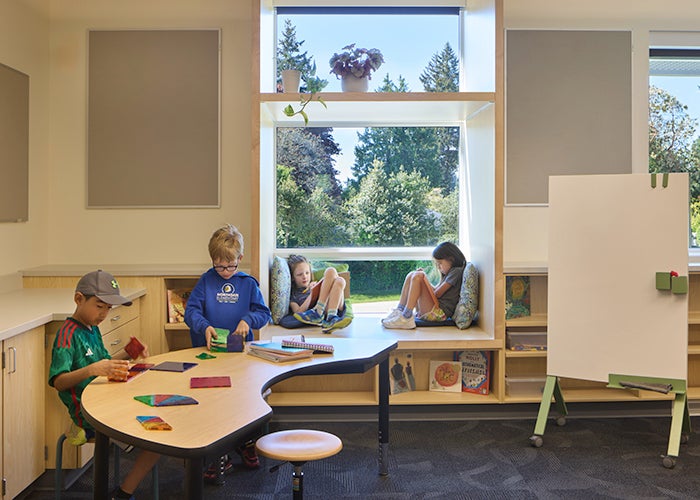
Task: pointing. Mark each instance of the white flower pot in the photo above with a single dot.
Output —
(291, 79)
(350, 83)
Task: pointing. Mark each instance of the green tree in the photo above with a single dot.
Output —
(442, 72)
(290, 56)
(671, 130)
(671, 145)
(309, 152)
(390, 210)
(303, 219)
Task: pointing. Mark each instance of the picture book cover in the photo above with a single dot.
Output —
(445, 376)
(476, 370)
(173, 366)
(517, 296)
(154, 423)
(401, 373)
(205, 382)
(177, 299)
(166, 400)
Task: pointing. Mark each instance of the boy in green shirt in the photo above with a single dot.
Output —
(78, 356)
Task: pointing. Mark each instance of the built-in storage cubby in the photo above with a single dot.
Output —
(532, 364)
(176, 292)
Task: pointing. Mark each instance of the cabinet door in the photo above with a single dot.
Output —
(23, 410)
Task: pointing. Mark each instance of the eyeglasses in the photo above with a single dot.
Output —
(221, 269)
(232, 267)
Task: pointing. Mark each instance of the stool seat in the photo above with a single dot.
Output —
(299, 445)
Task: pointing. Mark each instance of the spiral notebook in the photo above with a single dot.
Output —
(302, 344)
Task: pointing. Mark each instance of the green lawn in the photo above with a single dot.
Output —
(359, 298)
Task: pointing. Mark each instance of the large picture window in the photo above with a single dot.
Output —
(377, 196)
(674, 116)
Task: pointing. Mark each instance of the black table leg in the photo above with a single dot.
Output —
(384, 417)
(101, 467)
(193, 478)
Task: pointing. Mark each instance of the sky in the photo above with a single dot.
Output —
(407, 42)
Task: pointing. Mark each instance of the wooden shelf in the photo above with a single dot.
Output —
(355, 109)
(441, 398)
(528, 321)
(176, 327)
(525, 354)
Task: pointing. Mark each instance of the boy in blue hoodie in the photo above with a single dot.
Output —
(227, 298)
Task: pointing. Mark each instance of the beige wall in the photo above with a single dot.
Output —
(138, 235)
(525, 228)
(24, 46)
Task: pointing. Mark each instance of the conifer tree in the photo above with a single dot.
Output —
(290, 56)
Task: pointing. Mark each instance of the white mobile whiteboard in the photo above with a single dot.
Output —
(608, 236)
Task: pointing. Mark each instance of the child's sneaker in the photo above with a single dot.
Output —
(401, 323)
(392, 315)
(334, 323)
(215, 472)
(248, 455)
(310, 317)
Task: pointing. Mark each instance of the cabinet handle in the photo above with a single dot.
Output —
(116, 342)
(116, 318)
(14, 360)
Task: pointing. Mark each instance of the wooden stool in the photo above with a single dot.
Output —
(298, 447)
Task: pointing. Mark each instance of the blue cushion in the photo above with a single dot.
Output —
(465, 312)
(280, 289)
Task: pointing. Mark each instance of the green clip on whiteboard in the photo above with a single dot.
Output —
(608, 237)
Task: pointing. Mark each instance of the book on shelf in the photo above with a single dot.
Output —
(275, 351)
(401, 373)
(301, 342)
(517, 296)
(177, 299)
(476, 370)
(445, 376)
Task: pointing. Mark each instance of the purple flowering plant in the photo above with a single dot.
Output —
(359, 62)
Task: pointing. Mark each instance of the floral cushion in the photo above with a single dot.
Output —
(468, 298)
(280, 288)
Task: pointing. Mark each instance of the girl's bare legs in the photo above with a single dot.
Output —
(331, 296)
(420, 294)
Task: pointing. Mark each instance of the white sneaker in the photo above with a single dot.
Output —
(392, 315)
(401, 322)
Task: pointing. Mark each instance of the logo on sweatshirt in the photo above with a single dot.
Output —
(227, 295)
(89, 352)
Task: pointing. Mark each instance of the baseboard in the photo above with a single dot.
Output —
(473, 412)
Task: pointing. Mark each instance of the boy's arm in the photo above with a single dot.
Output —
(113, 368)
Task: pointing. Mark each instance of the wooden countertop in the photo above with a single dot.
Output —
(27, 308)
(119, 269)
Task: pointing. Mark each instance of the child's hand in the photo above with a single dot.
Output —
(113, 369)
(242, 329)
(209, 334)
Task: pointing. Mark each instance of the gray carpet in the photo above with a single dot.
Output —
(588, 458)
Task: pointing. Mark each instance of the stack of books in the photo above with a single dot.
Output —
(274, 351)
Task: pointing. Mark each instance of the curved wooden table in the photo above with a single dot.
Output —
(223, 415)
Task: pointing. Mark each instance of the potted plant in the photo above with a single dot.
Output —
(354, 67)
